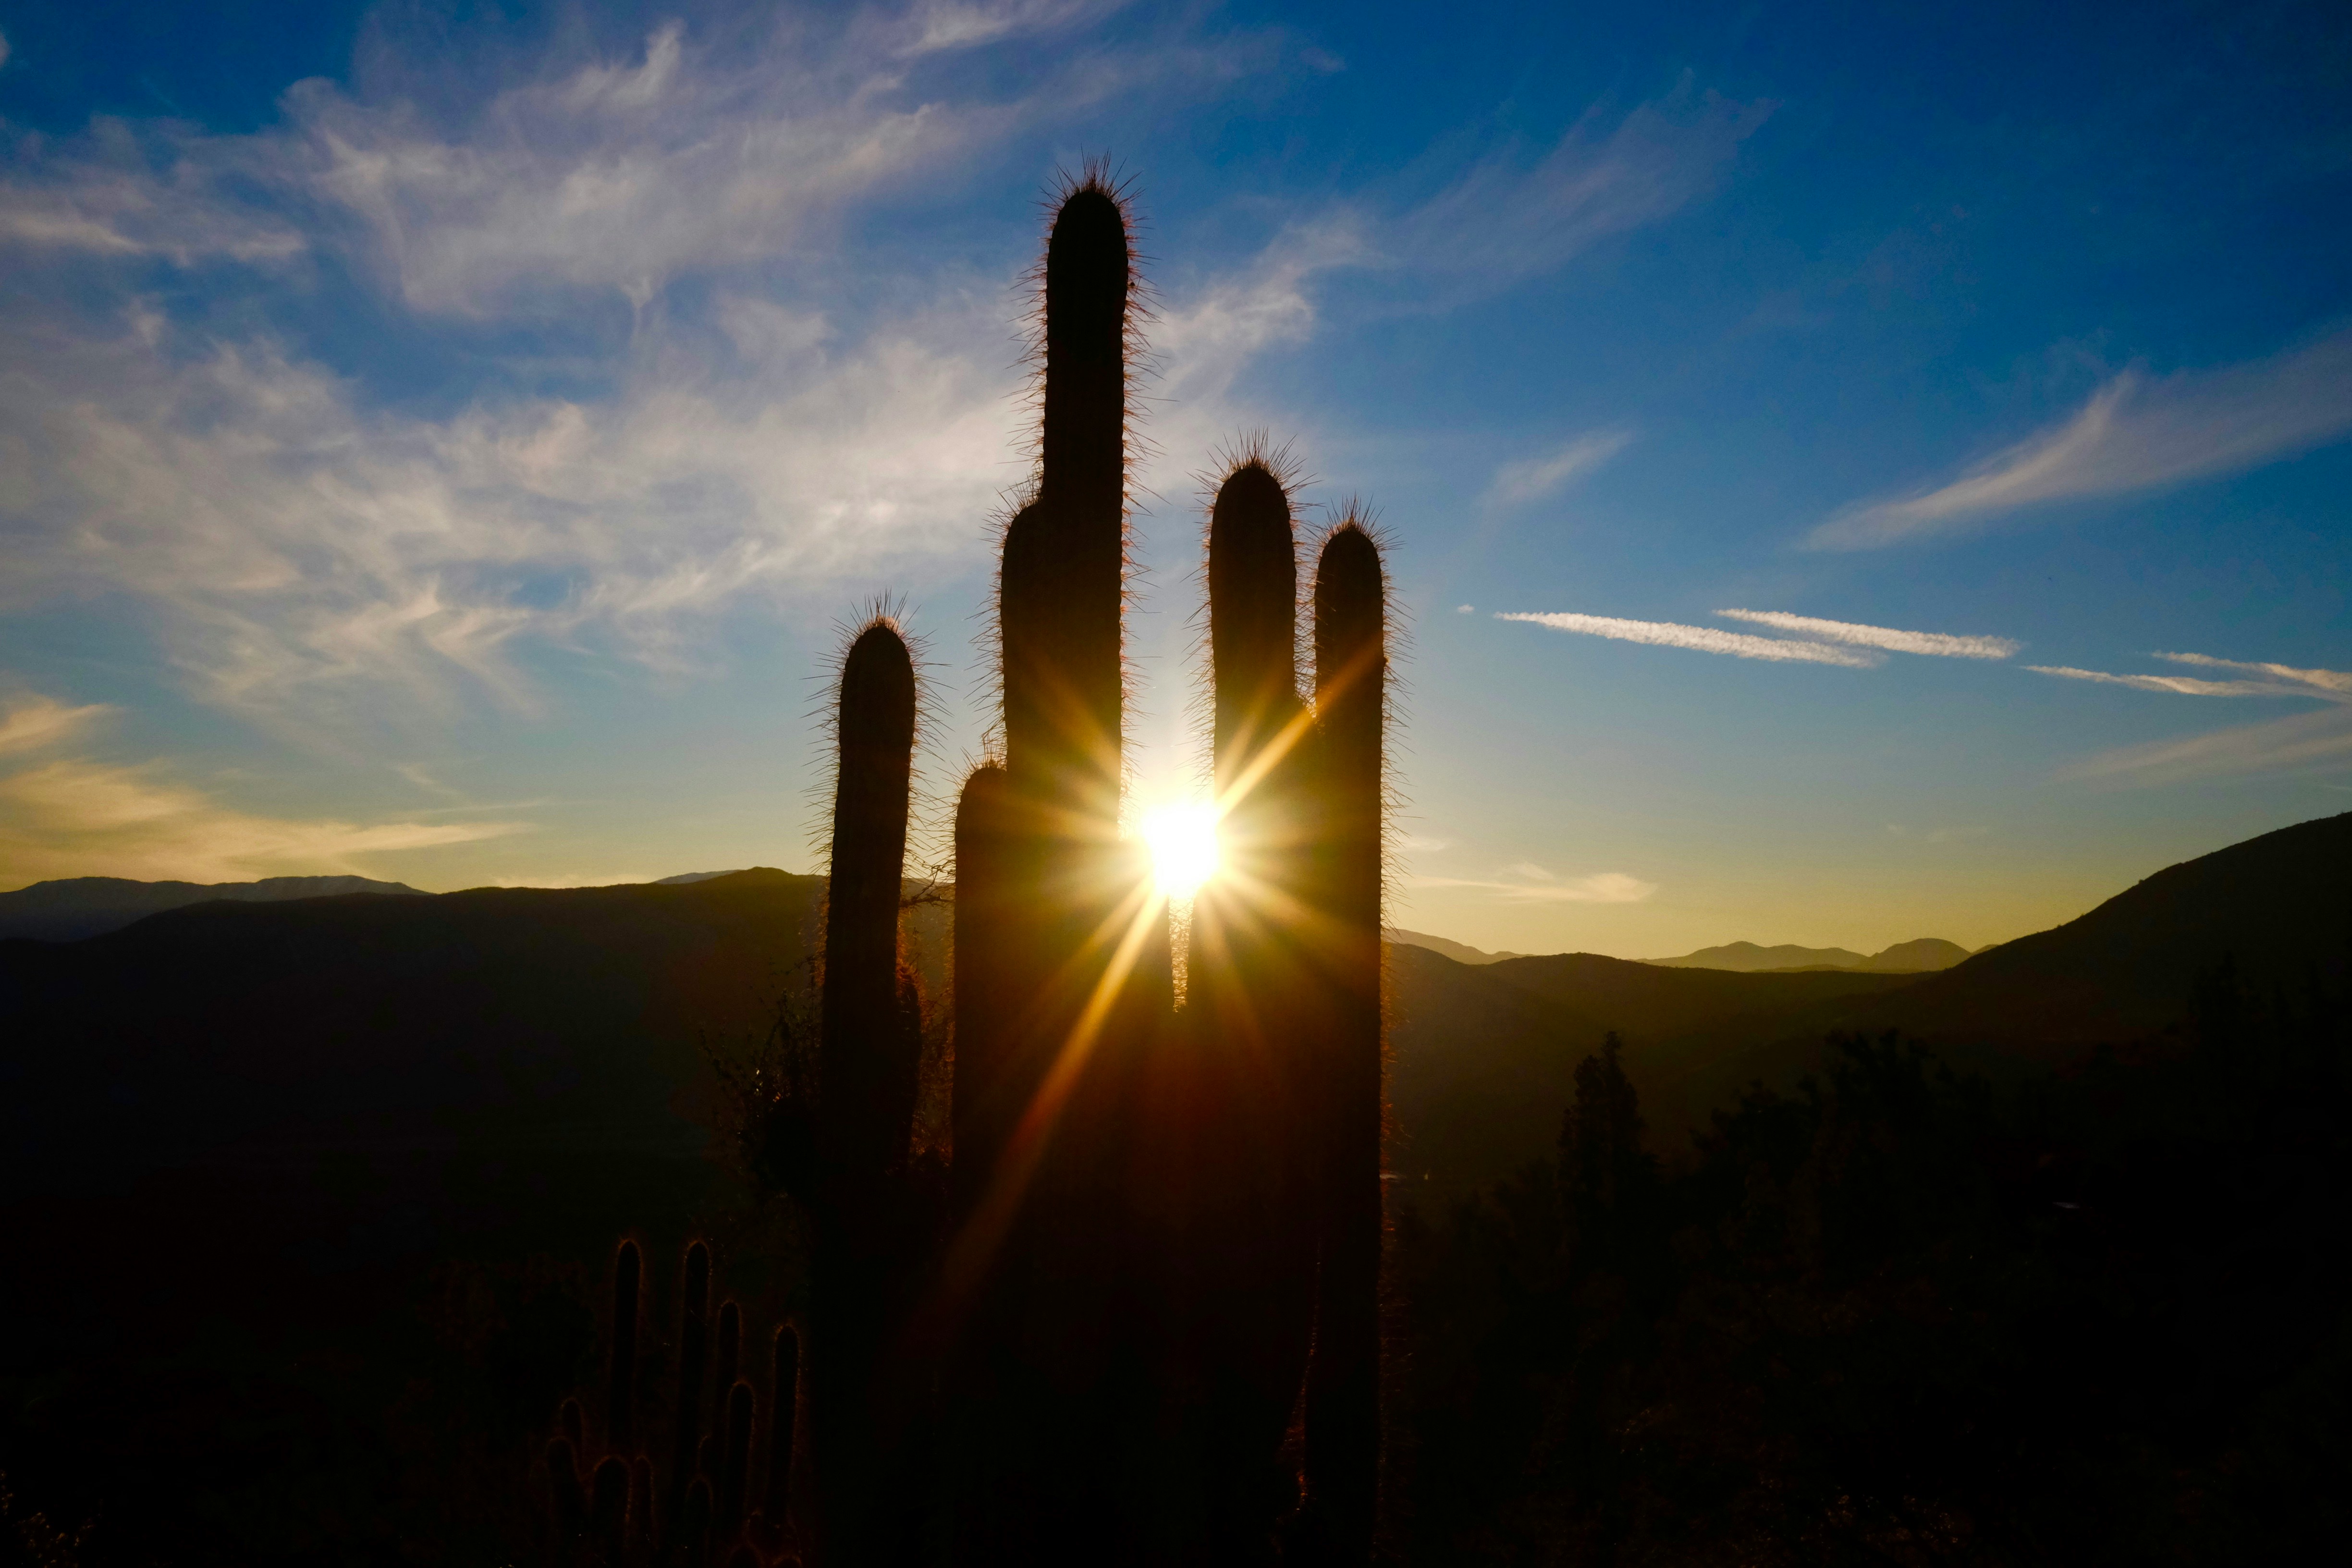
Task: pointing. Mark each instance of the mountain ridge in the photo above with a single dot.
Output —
(1919, 955)
(70, 909)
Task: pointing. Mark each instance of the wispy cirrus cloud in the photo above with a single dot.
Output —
(2334, 681)
(1533, 479)
(1530, 883)
(2281, 680)
(74, 819)
(33, 721)
(2306, 742)
(1699, 639)
(2178, 685)
(1506, 218)
(1933, 645)
(299, 530)
(291, 535)
(2136, 433)
(939, 24)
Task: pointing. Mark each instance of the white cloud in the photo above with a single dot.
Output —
(1529, 883)
(104, 202)
(2136, 434)
(73, 819)
(34, 722)
(2305, 742)
(290, 535)
(959, 23)
(1700, 639)
(1533, 479)
(2331, 681)
(1934, 644)
(1200, 342)
(2190, 686)
(713, 149)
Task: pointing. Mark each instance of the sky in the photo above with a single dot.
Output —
(1847, 475)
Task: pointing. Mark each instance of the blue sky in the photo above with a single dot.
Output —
(442, 442)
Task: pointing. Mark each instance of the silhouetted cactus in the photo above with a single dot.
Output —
(735, 1464)
(628, 1267)
(1181, 1253)
(608, 1509)
(868, 1250)
(731, 1348)
(1342, 1427)
(783, 1409)
(1251, 1023)
(568, 1499)
(1164, 1237)
(694, 1526)
(693, 1363)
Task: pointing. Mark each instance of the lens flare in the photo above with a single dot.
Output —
(1183, 840)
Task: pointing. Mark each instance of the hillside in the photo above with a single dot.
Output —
(77, 907)
(1460, 953)
(388, 1135)
(1482, 1056)
(2125, 974)
(1914, 957)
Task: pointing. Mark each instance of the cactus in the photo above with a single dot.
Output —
(608, 1509)
(1251, 1023)
(693, 1354)
(1165, 1231)
(735, 1465)
(1342, 1426)
(628, 1267)
(731, 1347)
(866, 1259)
(783, 1403)
(568, 1499)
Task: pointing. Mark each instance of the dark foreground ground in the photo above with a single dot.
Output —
(311, 1210)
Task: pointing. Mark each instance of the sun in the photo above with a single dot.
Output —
(1183, 840)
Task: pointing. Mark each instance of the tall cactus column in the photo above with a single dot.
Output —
(862, 1416)
(1250, 1028)
(1073, 963)
(1350, 700)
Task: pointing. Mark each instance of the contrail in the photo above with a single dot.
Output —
(1702, 639)
(2334, 683)
(1934, 644)
(2181, 684)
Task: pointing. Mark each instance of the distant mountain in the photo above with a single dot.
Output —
(1458, 952)
(1747, 957)
(686, 878)
(2273, 907)
(77, 907)
(1484, 1057)
(1927, 953)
